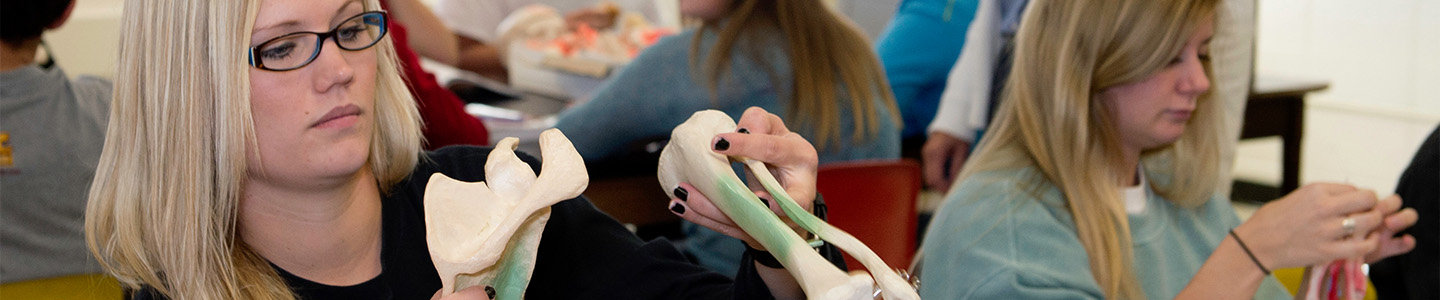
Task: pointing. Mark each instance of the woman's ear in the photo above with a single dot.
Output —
(63, 17)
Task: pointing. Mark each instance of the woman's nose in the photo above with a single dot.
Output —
(1194, 81)
(332, 70)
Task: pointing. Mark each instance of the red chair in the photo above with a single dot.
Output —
(875, 202)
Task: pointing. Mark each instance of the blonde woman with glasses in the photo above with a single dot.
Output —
(1098, 178)
(270, 150)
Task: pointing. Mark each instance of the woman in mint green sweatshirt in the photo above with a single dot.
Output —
(1098, 177)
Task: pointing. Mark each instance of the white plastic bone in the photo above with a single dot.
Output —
(688, 158)
(891, 284)
(470, 226)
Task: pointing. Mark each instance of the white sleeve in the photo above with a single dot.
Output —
(966, 100)
(474, 19)
(1232, 52)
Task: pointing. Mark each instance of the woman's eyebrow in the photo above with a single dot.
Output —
(342, 8)
(285, 24)
(294, 23)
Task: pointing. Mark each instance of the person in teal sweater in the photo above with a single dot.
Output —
(673, 79)
(659, 90)
(1098, 178)
(829, 85)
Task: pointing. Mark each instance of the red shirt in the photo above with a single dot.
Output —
(445, 120)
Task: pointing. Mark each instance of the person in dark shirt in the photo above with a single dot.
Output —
(1415, 275)
(277, 156)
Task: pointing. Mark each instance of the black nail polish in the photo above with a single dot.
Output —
(490, 291)
(682, 194)
(743, 130)
(722, 145)
(765, 201)
(677, 208)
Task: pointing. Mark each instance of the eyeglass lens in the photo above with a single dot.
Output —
(297, 49)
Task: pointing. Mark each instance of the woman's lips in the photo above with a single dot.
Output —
(1180, 114)
(339, 117)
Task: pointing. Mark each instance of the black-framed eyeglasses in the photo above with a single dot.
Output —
(287, 52)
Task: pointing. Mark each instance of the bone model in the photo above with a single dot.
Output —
(688, 158)
(486, 233)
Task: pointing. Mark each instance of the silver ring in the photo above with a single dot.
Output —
(1348, 225)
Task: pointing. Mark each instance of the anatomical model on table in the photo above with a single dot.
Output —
(688, 158)
(579, 48)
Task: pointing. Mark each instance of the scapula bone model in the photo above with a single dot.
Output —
(471, 226)
(688, 158)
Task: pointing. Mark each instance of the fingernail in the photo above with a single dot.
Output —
(743, 130)
(765, 201)
(682, 194)
(677, 208)
(490, 291)
(722, 145)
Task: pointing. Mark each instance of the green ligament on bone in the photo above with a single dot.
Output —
(777, 242)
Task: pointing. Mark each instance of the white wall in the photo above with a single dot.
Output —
(1379, 53)
(870, 15)
(1381, 60)
(89, 41)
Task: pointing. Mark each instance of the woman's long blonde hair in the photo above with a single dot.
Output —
(1066, 53)
(826, 52)
(162, 211)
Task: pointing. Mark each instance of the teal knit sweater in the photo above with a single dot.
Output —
(659, 90)
(1008, 235)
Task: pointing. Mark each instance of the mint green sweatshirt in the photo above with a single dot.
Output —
(1008, 235)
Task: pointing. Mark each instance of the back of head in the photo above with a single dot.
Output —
(830, 61)
(23, 20)
(1050, 118)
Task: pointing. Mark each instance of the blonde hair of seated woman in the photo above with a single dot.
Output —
(829, 57)
(1052, 119)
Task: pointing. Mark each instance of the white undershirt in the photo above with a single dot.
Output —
(1135, 197)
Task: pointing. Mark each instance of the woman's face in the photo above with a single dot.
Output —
(708, 10)
(313, 124)
(1152, 112)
